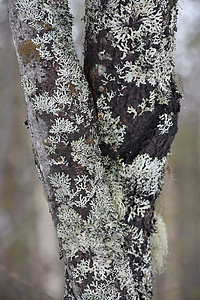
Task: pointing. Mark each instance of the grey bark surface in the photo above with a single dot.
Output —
(101, 135)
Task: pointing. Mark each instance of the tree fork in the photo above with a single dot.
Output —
(101, 139)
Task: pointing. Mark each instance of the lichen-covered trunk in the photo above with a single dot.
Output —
(101, 136)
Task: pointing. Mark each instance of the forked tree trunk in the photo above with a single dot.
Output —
(101, 136)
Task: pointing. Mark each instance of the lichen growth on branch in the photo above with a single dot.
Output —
(101, 138)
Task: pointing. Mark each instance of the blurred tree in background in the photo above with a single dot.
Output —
(25, 273)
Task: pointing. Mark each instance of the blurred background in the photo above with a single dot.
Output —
(29, 263)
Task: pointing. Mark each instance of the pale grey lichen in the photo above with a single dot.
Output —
(60, 180)
(110, 129)
(165, 123)
(102, 291)
(45, 103)
(100, 183)
(159, 246)
(28, 86)
(146, 105)
(145, 173)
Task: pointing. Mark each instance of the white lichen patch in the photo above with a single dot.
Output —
(140, 208)
(71, 232)
(62, 125)
(102, 291)
(100, 69)
(45, 103)
(145, 173)
(86, 154)
(28, 86)
(111, 130)
(85, 189)
(60, 180)
(61, 160)
(147, 105)
(165, 123)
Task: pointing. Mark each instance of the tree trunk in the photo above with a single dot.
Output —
(101, 136)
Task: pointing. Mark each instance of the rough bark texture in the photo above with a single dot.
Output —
(101, 139)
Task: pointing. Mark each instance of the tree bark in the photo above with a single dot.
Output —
(101, 136)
